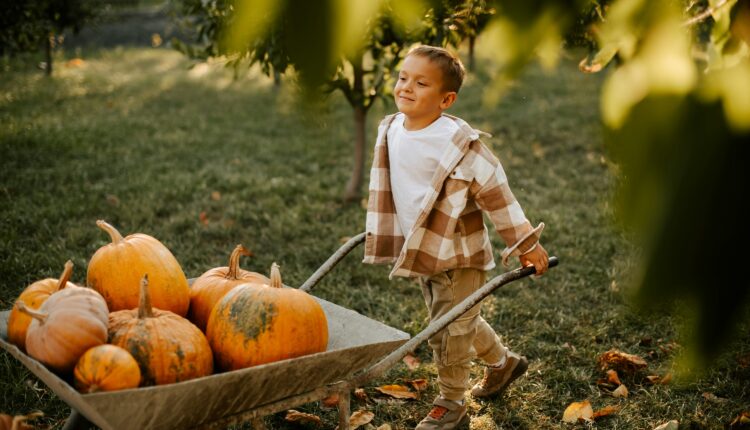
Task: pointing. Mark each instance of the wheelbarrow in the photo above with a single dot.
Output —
(216, 401)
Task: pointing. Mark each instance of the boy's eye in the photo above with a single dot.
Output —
(421, 84)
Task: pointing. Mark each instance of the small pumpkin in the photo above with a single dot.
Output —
(115, 270)
(106, 368)
(214, 283)
(167, 347)
(255, 324)
(33, 296)
(67, 324)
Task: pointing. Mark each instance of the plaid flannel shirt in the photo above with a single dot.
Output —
(449, 231)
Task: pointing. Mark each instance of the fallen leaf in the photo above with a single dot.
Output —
(215, 196)
(412, 362)
(113, 200)
(74, 62)
(666, 379)
(156, 40)
(653, 379)
(203, 217)
(671, 425)
(293, 416)
(397, 391)
(578, 411)
(18, 422)
(621, 391)
(331, 401)
(613, 377)
(606, 411)
(713, 398)
(621, 361)
(360, 394)
(537, 150)
(384, 427)
(360, 418)
(419, 384)
(742, 420)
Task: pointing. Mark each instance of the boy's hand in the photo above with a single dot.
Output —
(537, 257)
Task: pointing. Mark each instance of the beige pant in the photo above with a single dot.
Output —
(467, 337)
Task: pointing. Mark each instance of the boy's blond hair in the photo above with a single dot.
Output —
(449, 64)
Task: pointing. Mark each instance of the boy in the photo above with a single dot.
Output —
(430, 181)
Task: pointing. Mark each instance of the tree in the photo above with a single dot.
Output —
(360, 65)
(30, 24)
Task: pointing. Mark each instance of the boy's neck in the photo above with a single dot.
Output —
(414, 124)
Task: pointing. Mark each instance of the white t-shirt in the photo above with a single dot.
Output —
(414, 157)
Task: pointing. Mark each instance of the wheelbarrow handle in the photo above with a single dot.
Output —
(439, 324)
(332, 261)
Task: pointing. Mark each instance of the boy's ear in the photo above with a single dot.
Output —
(448, 99)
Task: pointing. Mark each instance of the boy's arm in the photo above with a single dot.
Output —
(493, 195)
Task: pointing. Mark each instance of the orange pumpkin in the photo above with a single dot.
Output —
(167, 347)
(212, 285)
(106, 368)
(256, 324)
(67, 324)
(33, 296)
(116, 269)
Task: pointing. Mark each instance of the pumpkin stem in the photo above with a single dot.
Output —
(276, 276)
(33, 313)
(113, 233)
(65, 276)
(144, 305)
(234, 261)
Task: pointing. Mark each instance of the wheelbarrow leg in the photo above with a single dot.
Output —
(76, 421)
(344, 409)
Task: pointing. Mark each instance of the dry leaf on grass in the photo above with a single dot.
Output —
(412, 362)
(713, 398)
(360, 394)
(397, 391)
(613, 377)
(215, 196)
(621, 391)
(606, 411)
(384, 427)
(331, 401)
(294, 416)
(18, 422)
(742, 420)
(419, 384)
(578, 411)
(621, 361)
(656, 379)
(671, 425)
(360, 418)
(203, 217)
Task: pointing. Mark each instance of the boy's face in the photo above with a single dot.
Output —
(419, 90)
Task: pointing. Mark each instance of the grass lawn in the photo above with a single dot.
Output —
(203, 162)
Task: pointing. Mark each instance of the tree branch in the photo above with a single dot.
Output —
(705, 14)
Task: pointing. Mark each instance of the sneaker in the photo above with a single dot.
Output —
(497, 379)
(446, 415)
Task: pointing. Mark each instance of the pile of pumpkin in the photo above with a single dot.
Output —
(139, 323)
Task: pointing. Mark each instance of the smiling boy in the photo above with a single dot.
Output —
(431, 180)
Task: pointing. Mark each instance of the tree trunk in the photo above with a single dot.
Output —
(48, 53)
(357, 100)
(472, 40)
(353, 188)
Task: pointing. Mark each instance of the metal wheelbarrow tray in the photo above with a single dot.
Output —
(355, 343)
